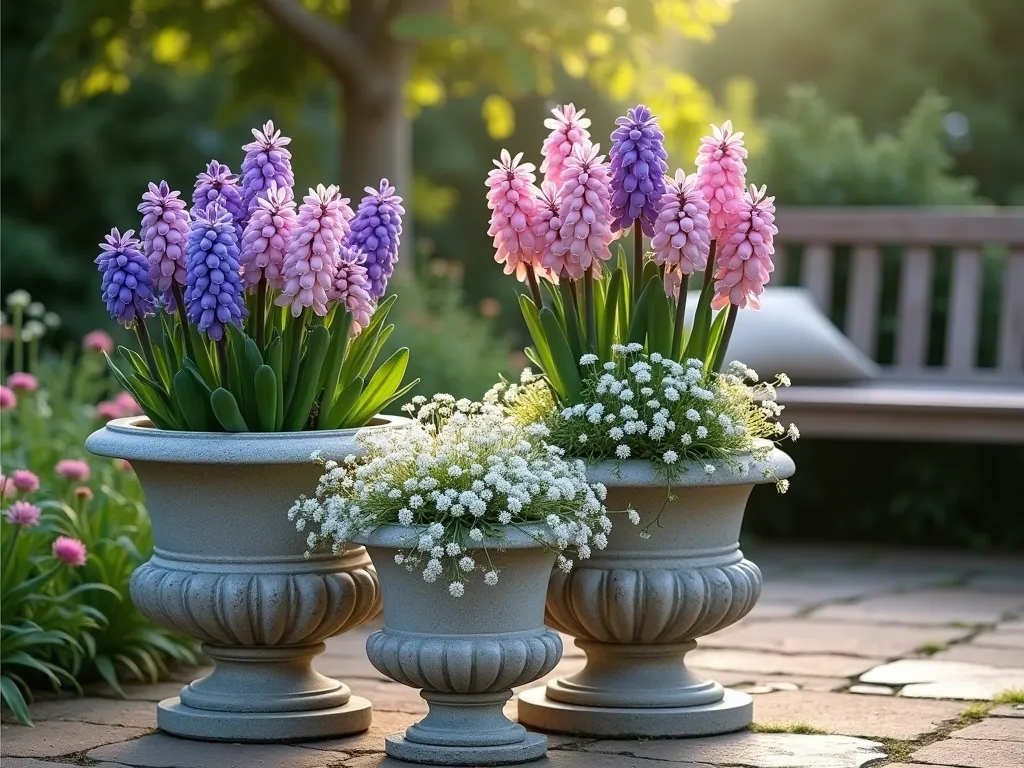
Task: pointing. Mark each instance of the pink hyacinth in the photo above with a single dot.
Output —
(84, 492)
(108, 410)
(267, 235)
(720, 174)
(7, 487)
(585, 214)
(73, 469)
(24, 514)
(511, 200)
(127, 404)
(24, 480)
(164, 233)
(352, 289)
(8, 400)
(568, 129)
(98, 341)
(20, 381)
(744, 258)
(70, 551)
(682, 232)
(312, 257)
(545, 225)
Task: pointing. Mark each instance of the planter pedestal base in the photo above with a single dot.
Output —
(177, 719)
(733, 713)
(532, 747)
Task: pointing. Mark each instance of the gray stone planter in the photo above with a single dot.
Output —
(638, 607)
(467, 653)
(228, 570)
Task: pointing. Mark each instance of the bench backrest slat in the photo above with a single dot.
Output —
(921, 237)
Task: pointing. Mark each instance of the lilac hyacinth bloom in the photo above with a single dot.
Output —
(219, 185)
(351, 289)
(266, 161)
(376, 232)
(127, 286)
(214, 294)
(638, 169)
(164, 231)
(266, 237)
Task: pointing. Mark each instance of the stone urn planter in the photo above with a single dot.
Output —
(638, 607)
(466, 653)
(228, 570)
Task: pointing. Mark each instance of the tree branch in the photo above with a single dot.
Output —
(336, 46)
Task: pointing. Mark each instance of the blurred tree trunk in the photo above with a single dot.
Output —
(371, 66)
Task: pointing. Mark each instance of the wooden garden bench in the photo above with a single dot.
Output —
(963, 261)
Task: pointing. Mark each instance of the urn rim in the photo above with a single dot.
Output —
(642, 472)
(135, 438)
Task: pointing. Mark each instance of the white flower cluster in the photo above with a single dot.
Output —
(458, 477)
(640, 406)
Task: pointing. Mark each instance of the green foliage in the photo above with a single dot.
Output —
(62, 625)
(325, 380)
(816, 156)
(453, 349)
(874, 58)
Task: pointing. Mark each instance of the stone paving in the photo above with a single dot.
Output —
(854, 659)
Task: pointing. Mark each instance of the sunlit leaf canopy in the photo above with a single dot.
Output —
(627, 49)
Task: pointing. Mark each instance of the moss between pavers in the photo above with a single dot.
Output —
(803, 728)
(1009, 696)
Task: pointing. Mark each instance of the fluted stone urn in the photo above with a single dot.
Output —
(465, 653)
(640, 605)
(228, 570)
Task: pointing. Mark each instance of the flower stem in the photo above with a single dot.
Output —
(531, 279)
(222, 358)
(19, 344)
(723, 344)
(179, 303)
(709, 270)
(677, 331)
(147, 348)
(261, 309)
(638, 260)
(588, 303)
(298, 324)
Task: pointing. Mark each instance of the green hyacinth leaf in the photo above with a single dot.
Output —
(297, 412)
(266, 398)
(225, 408)
(193, 401)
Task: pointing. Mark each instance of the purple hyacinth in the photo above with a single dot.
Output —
(351, 289)
(638, 169)
(376, 232)
(127, 286)
(214, 294)
(266, 160)
(164, 231)
(219, 185)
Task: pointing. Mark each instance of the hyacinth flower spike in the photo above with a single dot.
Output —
(744, 263)
(266, 238)
(681, 242)
(267, 161)
(214, 296)
(720, 174)
(376, 234)
(127, 287)
(638, 166)
(545, 224)
(511, 196)
(217, 184)
(353, 289)
(568, 129)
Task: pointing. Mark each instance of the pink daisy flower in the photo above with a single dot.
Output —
(24, 514)
(25, 481)
(70, 551)
(73, 469)
(21, 381)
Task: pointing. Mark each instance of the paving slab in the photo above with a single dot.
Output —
(766, 609)
(980, 654)
(134, 714)
(31, 762)
(872, 690)
(815, 636)
(161, 751)
(384, 723)
(756, 750)
(929, 606)
(930, 679)
(994, 729)
(1008, 710)
(766, 663)
(970, 753)
(1001, 639)
(52, 738)
(870, 716)
(554, 759)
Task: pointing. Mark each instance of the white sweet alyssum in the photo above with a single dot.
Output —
(687, 419)
(457, 478)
